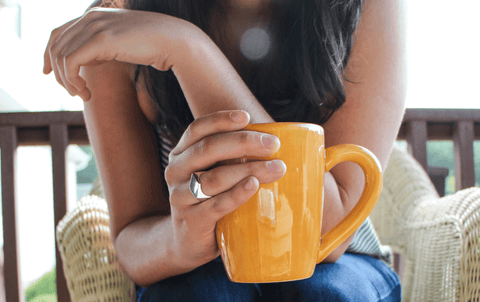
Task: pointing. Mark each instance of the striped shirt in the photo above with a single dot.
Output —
(365, 241)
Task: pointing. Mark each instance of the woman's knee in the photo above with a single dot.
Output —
(352, 278)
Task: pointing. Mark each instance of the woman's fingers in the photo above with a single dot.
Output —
(70, 47)
(212, 149)
(60, 70)
(47, 62)
(223, 178)
(54, 66)
(220, 121)
(215, 208)
(52, 61)
(214, 138)
(75, 55)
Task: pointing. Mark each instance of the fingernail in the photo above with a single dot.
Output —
(268, 141)
(250, 185)
(274, 165)
(238, 116)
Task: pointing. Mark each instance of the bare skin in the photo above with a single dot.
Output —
(176, 233)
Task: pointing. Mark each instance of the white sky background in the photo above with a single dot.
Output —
(443, 58)
(21, 67)
(443, 54)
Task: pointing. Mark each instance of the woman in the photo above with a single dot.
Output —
(186, 75)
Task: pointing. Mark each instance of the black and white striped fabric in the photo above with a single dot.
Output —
(366, 240)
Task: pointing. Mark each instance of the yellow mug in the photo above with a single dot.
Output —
(276, 235)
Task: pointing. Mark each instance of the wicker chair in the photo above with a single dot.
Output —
(438, 238)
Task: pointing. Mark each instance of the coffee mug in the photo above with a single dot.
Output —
(276, 235)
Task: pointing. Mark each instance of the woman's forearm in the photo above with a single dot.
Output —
(210, 83)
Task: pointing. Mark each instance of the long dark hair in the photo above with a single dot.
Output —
(305, 69)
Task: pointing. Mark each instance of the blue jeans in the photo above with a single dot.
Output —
(353, 277)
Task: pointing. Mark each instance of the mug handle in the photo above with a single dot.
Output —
(373, 186)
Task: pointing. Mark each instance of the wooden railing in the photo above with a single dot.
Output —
(59, 129)
(462, 126)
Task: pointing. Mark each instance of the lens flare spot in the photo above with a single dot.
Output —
(255, 44)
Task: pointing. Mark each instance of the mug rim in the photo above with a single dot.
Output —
(302, 124)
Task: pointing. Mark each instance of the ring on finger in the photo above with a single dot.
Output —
(196, 188)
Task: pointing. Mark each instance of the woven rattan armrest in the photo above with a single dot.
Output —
(89, 260)
(438, 237)
(443, 248)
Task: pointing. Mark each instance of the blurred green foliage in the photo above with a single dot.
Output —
(441, 154)
(44, 289)
(89, 174)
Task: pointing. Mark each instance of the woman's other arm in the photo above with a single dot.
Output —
(128, 163)
(375, 99)
(371, 116)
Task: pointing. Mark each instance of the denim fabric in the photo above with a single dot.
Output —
(354, 277)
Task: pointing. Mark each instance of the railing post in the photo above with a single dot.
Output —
(59, 143)
(8, 145)
(417, 141)
(463, 137)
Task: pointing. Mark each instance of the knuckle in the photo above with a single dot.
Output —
(211, 179)
(236, 197)
(179, 218)
(218, 206)
(70, 73)
(56, 31)
(184, 218)
(244, 137)
(59, 58)
(53, 48)
(175, 197)
(101, 36)
(204, 146)
(253, 168)
(171, 156)
(70, 76)
(169, 174)
(67, 60)
(95, 25)
(191, 130)
(183, 215)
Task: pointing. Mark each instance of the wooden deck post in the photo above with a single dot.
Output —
(463, 136)
(8, 145)
(417, 141)
(59, 143)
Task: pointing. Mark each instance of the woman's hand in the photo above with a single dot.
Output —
(104, 34)
(208, 140)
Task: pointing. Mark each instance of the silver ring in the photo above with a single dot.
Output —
(196, 187)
